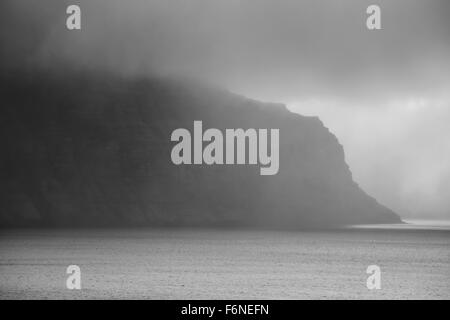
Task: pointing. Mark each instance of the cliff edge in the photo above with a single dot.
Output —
(84, 149)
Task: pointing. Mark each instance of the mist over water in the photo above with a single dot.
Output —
(87, 118)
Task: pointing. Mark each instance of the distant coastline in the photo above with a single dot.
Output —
(408, 224)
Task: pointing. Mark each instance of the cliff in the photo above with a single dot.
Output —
(84, 149)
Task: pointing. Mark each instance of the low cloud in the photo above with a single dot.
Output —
(382, 92)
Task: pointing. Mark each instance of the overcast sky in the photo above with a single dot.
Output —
(384, 93)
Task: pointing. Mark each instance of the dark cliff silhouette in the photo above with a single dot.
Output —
(90, 149)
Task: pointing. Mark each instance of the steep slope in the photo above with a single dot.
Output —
(85, 149)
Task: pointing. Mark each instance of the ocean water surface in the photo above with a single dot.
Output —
(226, 264)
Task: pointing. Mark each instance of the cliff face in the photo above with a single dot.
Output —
(94, 150)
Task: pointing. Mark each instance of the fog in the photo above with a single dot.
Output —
(384, 93)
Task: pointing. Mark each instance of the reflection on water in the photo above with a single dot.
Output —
(410, 225)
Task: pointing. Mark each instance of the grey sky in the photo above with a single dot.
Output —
(385, 94)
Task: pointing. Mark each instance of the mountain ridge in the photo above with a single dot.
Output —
(93, 149)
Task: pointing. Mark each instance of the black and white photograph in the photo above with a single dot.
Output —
(224, 150)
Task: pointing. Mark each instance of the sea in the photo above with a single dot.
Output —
(413, 262)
